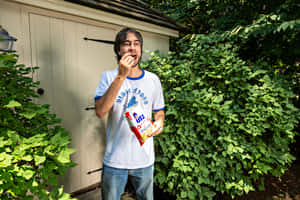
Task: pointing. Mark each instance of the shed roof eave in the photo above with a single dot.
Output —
(98, 15)
(161, 19)
(156, 18)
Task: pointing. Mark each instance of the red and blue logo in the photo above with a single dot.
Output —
(137, 118)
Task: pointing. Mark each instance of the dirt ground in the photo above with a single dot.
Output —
(287, 187)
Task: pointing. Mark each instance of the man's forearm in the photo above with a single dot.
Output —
(105, 103)
(160, 116)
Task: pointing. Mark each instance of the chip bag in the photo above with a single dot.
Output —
(139, 124)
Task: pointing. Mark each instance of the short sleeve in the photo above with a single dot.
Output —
(102, 86)
(158, 102)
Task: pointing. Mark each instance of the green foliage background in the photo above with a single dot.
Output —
(33, 146)
(231, 86)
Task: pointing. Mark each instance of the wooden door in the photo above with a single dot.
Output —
(70, 68)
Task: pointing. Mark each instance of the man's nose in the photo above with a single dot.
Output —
(132, 46)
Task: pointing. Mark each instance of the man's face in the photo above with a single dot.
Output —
(131, 45)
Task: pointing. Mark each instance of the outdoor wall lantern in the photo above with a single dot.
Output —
(6, 41)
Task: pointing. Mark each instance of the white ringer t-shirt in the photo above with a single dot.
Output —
(123, 149)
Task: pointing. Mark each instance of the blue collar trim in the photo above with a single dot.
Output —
(137, 78)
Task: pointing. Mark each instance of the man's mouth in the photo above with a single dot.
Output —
(134, 56)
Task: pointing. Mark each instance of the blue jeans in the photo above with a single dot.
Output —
(114, 180)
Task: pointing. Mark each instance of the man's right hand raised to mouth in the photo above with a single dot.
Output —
(105, 103)
(125, 64)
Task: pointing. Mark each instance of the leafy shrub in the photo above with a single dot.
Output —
(256, 41)
(228, 122)
(33, 146)
(265, 30)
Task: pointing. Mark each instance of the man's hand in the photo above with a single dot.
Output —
(158, 128)
(159, 117)
(125, 65)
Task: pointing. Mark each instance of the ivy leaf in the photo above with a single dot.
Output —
(48, 150)
(35, 183)
(256, 73)
(209, 194)
(192, 195)
(13, 136)
(60, 140)
(42, 110)
(39, 159)
(12, 193)
(218, 99)
(28, 115)
(183, 194)
(4, 142)
(13, 104)
(28, 174)
(64, 196)
(5, 159)
(27, 158)
(64, 155)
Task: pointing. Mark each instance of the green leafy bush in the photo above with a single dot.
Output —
(33, 146)
(256, 41)
(265, 30)
(228, 122)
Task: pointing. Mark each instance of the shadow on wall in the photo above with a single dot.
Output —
(68, 100)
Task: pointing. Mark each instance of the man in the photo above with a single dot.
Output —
(124, 157)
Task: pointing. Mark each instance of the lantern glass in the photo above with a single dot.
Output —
(4, 44)
(6, 41)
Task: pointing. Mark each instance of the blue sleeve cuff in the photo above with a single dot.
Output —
(163, 108)
(97, 97)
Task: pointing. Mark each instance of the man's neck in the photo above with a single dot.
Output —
(135, 72)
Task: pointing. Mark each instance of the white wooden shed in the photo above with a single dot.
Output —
(51, 35)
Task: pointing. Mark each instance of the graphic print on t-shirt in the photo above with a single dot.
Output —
(132, 102)
(136, 92)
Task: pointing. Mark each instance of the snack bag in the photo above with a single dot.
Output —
(139, 124)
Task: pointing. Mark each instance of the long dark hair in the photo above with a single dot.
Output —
(121, 37)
